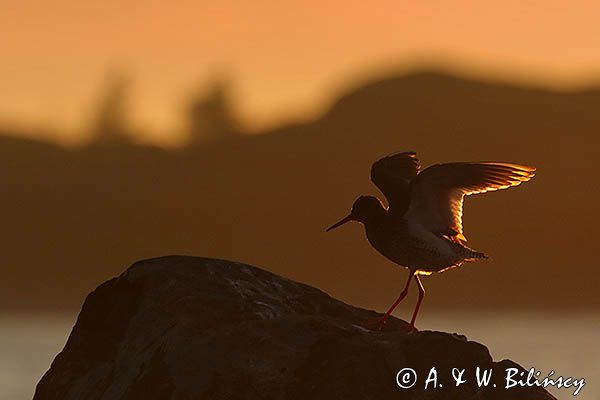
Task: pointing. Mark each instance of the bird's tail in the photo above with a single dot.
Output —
(471, 255)
(476, 255)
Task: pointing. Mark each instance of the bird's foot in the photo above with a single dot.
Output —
(379, 324)
(376, 324)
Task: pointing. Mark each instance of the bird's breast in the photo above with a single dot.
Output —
(411, 246)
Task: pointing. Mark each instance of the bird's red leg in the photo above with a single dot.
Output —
(421, 295)
(384, 319)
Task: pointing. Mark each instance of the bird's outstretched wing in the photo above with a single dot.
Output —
(436, 194)
(392, 175)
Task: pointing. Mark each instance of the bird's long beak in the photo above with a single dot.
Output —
(342, 222)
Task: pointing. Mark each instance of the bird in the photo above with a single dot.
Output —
(421, 228)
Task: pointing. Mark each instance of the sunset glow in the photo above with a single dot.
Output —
(285, 60)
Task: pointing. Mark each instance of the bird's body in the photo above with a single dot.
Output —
(411, 245)
(421, 229)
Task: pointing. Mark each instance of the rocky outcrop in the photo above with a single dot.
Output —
(195, 328)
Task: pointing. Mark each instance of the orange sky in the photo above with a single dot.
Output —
(285, 58)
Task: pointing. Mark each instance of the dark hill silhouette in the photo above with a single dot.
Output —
(267, 199)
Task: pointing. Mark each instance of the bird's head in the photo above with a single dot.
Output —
(365, 209)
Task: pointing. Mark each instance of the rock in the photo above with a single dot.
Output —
(195, 328)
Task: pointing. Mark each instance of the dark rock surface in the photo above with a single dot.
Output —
(195, 328)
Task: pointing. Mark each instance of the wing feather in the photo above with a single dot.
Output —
(392, 175)
(437, 193)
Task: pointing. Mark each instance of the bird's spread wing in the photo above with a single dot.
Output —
(392, 175)
(436, 194)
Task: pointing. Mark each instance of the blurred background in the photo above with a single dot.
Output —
(242, 129)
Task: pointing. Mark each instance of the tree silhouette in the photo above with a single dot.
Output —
(110, 123)
(210, 116)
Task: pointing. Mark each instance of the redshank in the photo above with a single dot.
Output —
(421, 229)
